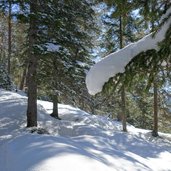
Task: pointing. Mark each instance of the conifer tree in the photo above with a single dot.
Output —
(151, 60)
(67, 50)
(151, 11)
(5, 81)
(9, 36)
(121, 15)
(32, 66)
(6, 7)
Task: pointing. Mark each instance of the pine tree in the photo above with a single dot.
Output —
(5, 81)
(3, 38)
(150, 61)
(67, 50)
(32, 66)
(9, 36)
(121, 14)
(151, 11)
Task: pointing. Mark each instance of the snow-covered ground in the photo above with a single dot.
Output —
(79, 142)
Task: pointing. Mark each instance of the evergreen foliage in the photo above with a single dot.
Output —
(63, 68)
(5, 81)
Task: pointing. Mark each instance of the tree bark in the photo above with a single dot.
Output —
(9, 38)
(23, 78)
(55, 113)
(121, 32)
(123, 97)
(155, 106)
(123, 109)
(32, 69)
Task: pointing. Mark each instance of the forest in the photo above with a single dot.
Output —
(47, 47)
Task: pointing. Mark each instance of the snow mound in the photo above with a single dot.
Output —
(76, 122)
(79, 141)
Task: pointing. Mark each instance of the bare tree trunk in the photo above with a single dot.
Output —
(55, 105)
(55, 86)
(9, 38)
(32, 70)
(121, 32)
(155, 106)
(23, 78)
(123, 97)
(55, 113)
(123, 109)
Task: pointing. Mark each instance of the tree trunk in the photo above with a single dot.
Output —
(55, 86)
(121, 32)
(55, 113)
(155, 106)
(123, 109)
(23, 79)
(32, 69)
(123, 97)
(9, 38)
(119, 115)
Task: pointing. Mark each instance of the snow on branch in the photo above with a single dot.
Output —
(115, 62)
(51, 47)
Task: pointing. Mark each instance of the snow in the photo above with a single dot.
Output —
(79, 141)
(82, 64)
(51, 47)
(115, 63)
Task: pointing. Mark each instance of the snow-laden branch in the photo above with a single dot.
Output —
(115, 63)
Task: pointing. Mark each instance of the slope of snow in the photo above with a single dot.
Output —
(79, 141)
(115, 63)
